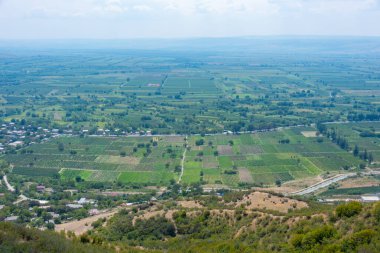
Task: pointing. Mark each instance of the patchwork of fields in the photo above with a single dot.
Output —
(185, 92)
(128, 160)
(261, 159)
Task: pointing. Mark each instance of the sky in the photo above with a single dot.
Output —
(123, 19)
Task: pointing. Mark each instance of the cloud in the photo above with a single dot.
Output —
(341, 6)
(218, 7)
(142, 7)
(186, 18)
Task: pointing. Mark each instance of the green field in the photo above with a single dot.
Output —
(128, 160)
(257, 159)
(187, 92)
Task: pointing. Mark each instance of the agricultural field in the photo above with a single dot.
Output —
(187, 92)
(263, 159)
(142, 160)
(258, 159)
(366, 135)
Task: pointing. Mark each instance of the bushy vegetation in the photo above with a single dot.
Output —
(16, 238)
(351, 227)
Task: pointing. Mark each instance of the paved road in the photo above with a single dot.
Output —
(323, 184)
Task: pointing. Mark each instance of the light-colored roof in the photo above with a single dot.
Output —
(74, 206)
(11, 218)
(370, 198)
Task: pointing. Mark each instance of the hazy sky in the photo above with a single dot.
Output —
(118, 19)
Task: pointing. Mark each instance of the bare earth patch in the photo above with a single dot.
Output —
(245, 176)
(225, 150)
(263, 200)
(295, 185)
(359, 182)
(81, 226)
(309, 134)
(189, 204)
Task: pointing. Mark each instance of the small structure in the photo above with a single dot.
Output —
(370, 198)
(74, 206)
(40, 188)
(83, 201)
(16, 143)
(93, 212)
(11, 218)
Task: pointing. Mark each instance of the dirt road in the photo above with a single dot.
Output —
(81, 226)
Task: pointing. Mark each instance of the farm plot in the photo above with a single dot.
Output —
(245, 176)
(257, 159)
(101, 159)
(265, 158)
(225, 150)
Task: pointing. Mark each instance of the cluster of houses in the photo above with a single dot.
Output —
(75, 205)
(15, 136)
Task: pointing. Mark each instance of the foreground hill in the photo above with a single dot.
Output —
(236, 222)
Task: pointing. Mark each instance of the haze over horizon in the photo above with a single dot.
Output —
(125, 19)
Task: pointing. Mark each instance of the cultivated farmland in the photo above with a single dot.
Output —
(260, 159)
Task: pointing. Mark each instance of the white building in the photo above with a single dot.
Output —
(372, 198)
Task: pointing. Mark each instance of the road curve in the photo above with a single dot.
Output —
(322, 184)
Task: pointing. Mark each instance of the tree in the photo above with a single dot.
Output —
(370, 158)
(199, 142)
(61, 147)
(356, 150)
(50, 226)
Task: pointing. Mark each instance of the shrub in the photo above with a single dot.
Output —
(376, 211)
(349, 209)
(313, 237)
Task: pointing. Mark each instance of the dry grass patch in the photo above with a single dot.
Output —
(81, 226)
(309, 134)
(245, 176)
(295, 185)
(359, 182)
(263, 200)
(189, 204)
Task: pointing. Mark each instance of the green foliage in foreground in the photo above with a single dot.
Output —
(351, 227)
(16, 238)
(356, 230)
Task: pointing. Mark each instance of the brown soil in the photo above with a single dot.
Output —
(262, 200)
(189, 204)
(359, 182)
(81, 226)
